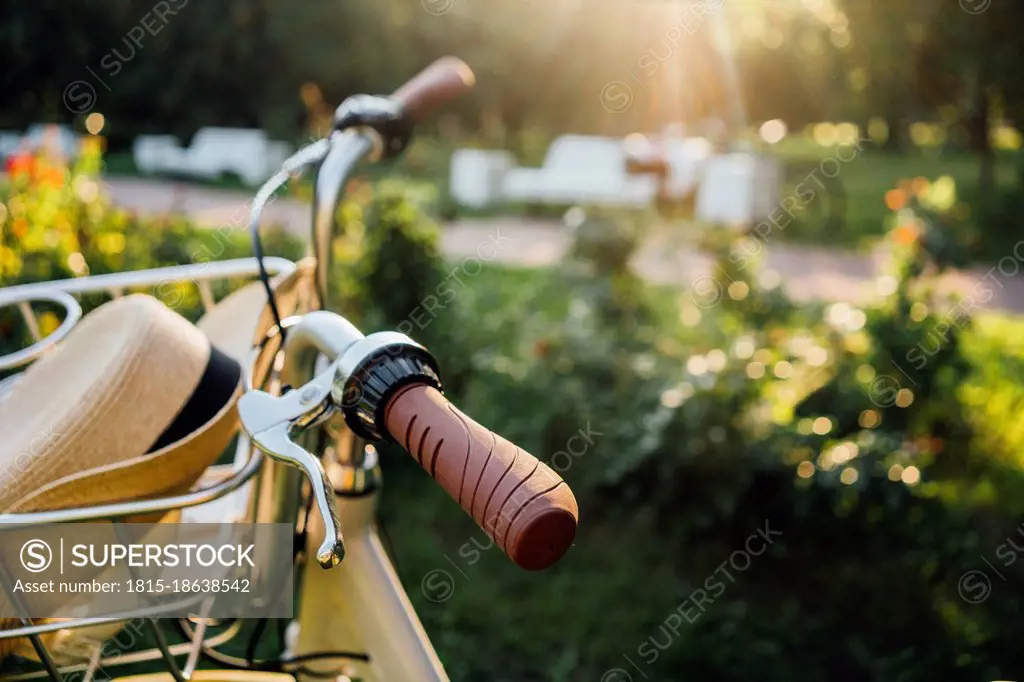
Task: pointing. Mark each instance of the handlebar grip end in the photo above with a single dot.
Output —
(520, 502)
(541, 537)
(441, 82)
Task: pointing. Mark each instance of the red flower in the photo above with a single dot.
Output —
(20, 164)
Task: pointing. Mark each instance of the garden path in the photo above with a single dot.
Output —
(806, 272)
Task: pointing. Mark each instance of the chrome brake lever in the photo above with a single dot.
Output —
(269, 421)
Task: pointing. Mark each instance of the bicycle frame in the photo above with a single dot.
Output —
(359, 605)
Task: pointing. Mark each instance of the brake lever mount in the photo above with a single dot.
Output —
(270, 420)
(358, 383)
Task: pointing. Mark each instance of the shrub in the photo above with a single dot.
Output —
(692, 428)
(56, 223)
(390, 274)
(389, 249)
(683, 424)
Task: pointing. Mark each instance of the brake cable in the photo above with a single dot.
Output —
(294, 166)
(379, 113)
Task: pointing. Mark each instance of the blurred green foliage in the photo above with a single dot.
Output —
(685, 422)
(57, 223)
(155, 66)
(698, 421)
(883, 66)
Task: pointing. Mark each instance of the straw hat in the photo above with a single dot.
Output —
(116, 411)
(150, 358)
(134, 403)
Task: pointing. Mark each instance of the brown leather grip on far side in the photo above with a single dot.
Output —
(441, 82)
(518, 500)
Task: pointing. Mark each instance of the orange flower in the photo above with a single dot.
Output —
(906, 234)
(895, 199)
(919, 186)
(19, 228)
(51, 176)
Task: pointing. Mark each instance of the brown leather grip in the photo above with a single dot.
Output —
(441, 82)
(518, 500)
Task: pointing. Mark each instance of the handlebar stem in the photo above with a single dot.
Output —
(347, 149)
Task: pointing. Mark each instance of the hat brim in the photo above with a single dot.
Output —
(168, 471)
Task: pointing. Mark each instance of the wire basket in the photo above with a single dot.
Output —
(224, 489)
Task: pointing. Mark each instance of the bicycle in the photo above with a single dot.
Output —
(316, 384)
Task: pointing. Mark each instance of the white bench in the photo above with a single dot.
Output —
(734, 188)
(156, 153)
(581, 169)
(477, 176)
(739, 189)
(687, 158)
(247, 153)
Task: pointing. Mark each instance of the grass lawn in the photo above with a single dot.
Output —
(865, 179)
(628, 570)
(579, 618)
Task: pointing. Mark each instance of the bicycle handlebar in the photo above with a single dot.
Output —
(526, 508)
(441, 82)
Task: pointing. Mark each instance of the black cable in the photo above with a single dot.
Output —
(254, 640)
(298, 544)
(257, 250)
(323, 656)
